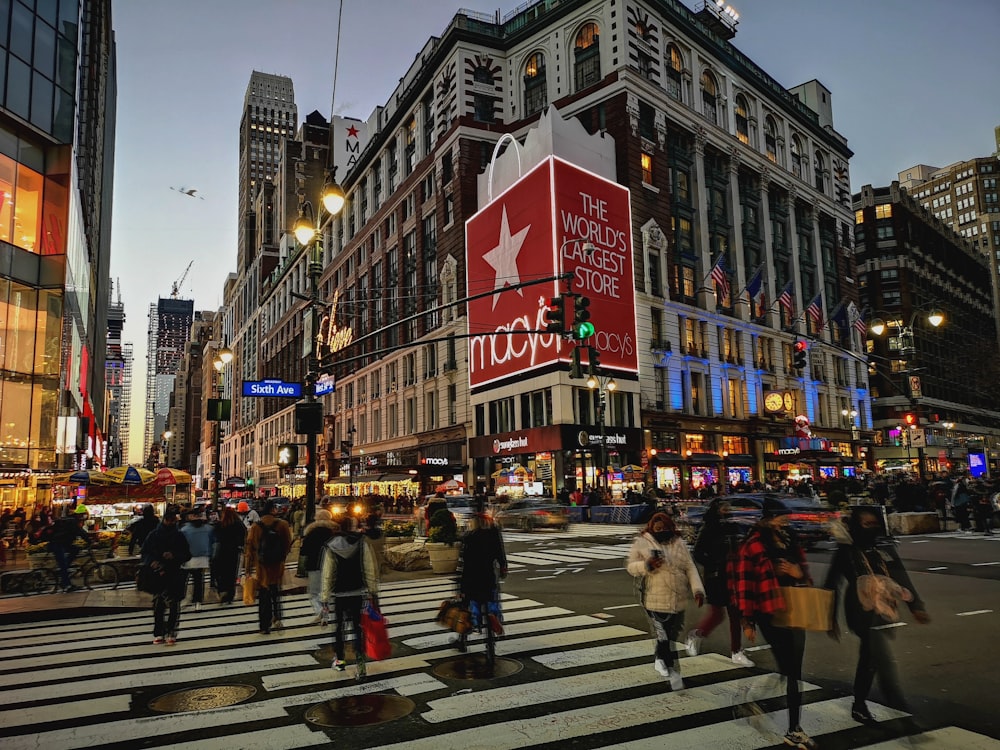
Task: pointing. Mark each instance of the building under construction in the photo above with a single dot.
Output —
(169, 330)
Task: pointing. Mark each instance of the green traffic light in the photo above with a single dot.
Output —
(583, 330)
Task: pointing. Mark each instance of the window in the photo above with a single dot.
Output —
(883, 211)
(483, 108)
(771, 139)
(410, 152)
(675, 66)
(819, 171)
(536, 96)
(796, 156)
(647, 168)
(647, 66)
(482, 74)
(587, 54)
(709, 97)
(21, 205)
(859, 216)
(742, 120)
(447, 169)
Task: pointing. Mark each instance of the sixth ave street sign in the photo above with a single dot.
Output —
(272, 388)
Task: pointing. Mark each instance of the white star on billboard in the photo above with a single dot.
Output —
(503, 258)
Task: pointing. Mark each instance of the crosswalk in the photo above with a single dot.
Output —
(586, 680)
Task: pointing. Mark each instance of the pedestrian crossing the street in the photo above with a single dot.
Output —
(584, 679)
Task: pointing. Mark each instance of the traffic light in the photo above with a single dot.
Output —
(799, 354)
(910, 419)
(288, 456)
(582, 327)
(555, 316)
(593, 360)
(575, 371)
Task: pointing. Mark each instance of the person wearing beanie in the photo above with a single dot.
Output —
(314, 539)
(660, 560)
(139, 528)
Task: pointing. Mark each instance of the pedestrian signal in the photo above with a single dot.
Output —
(288, 456)
(593, 360)
(555, 316)
(910, 419)
(575, 371)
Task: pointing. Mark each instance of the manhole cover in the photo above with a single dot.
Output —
(202, 699)
(359, 710)
(476, 667)
(325, 654)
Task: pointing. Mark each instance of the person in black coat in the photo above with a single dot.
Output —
(139, 528)
(230, 536)
(482, 564)
(165, 551)
(314, 540)
(866, 552)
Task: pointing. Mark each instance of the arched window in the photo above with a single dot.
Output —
(587, 51)
(675, 66)
(482, 74)
(709, 97)
(819, 171)
(536, 95)
(796, 150)
(771, 138)
(742, 119)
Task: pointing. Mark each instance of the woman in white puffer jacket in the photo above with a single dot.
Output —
(668, 578)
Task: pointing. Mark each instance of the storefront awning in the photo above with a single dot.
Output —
(740, 459)
(397, 478)
(668, 459)
(704, 458)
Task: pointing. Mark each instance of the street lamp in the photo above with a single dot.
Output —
(164, 443)
(223, 356)
(605, 384)
(907, 351)
(308, 233)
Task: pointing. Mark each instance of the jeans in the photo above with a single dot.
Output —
(313, 589)
(269, 606)
(64, 558)
(347, 609)
(666, 627)
(875, 659)
(197, 577)
(166, 613)
(788, 646)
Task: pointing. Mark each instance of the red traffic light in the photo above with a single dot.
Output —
(801, 346)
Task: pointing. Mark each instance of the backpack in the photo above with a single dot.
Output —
(270, 550)
(350, 573)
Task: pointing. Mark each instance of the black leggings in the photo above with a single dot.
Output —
(875, 659)
(788, 646)
(666, 627)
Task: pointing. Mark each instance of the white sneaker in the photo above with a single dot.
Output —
(676, 683)
(197, 607)
(661, 666)
(741, 658)
(693, 644)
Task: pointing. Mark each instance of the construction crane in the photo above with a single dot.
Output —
(176, 288)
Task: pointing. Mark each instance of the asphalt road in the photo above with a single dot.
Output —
(948, 667)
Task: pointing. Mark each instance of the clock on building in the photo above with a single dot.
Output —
(773, 401)
(789, 402)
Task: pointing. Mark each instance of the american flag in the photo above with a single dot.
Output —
(755, 290)
(720, 277)
(815, 309)
(859, 322)
(786, 300)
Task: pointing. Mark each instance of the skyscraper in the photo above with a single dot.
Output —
(118, 382)
(169, 330)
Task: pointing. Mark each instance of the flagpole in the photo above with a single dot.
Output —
(708, 275)
(747, 285)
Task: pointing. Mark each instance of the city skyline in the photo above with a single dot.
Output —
(154, 240)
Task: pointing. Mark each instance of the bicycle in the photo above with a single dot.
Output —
(82, 574)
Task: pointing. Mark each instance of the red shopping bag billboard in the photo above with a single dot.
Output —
(538, 228)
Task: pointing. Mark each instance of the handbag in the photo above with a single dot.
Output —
(879, 593)
(455, 616)
(300, 567)
(806, 608)
(249, 590)
(149, 580)
(376, 631)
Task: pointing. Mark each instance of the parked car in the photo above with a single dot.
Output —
(807, 517)
(530, 513)
(461, 506)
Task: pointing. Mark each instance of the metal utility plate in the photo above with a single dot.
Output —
(359, 710)
(476, 667)
(202, 698)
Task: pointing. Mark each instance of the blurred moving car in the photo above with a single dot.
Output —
(461, 506)
(530, 513)
(347, 507)
(808, 517)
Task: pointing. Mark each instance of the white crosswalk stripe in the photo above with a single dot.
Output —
(85, 682)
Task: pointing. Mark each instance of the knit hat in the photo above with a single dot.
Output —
(243, 507)
(322, 514)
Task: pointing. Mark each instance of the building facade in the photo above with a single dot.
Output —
(57, 120)
(118, 382)
(910, 263)
(169, 330)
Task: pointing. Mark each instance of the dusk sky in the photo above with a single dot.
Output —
(912, 81)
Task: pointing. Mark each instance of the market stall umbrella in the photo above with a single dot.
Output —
(632, 469)
(450, 486)
(81, 476)
(167, 476)
(130, 475)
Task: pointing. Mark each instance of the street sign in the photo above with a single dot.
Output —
(325, 385)
(915, 390)
(272, 388)
(918, 438)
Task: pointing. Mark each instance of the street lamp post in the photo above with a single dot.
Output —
(223, 357)
(605, 384)
(907, 351)
(308, 232)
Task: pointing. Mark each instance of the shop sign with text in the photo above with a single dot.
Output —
(522, 235)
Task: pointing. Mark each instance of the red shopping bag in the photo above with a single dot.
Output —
(376, 630)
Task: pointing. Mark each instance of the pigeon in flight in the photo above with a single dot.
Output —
(190, 192)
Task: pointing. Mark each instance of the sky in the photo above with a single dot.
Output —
(912, 81)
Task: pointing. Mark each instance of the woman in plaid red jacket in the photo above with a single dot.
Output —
(770, 558)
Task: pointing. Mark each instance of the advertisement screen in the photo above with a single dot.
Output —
(977, 464)
(542, 226)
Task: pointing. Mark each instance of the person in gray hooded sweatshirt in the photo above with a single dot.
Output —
(350, 572)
